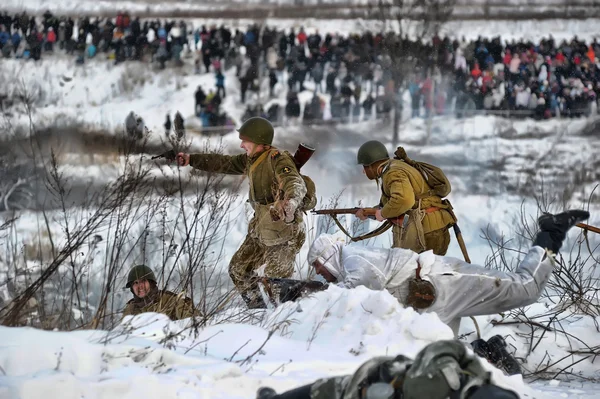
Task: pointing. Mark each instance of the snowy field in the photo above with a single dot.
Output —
(496, 167)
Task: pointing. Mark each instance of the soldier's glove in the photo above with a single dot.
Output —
(285, 210)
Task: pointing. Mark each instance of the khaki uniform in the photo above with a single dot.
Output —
(404, 192)
(161, 301)
(272, 176)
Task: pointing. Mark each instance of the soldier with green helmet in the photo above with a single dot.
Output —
(276, 232)
(404, 191)
(148, 298)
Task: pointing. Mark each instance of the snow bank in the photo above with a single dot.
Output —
(328, 334)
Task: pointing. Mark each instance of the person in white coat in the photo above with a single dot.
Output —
(447, 286)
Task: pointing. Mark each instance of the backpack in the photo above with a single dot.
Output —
(435, 178)
(310, 198)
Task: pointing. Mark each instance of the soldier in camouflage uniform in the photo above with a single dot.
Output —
(404, 192)
(148, 298)
(276, 232)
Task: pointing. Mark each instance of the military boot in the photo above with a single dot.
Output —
(554, 228)
(494, 351)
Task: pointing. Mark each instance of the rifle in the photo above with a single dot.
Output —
(368, 212)
(169, 155)
(290, 289)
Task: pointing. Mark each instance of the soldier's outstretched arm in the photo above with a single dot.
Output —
(228, 164)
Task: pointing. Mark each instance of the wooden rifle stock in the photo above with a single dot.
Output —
(588, 227)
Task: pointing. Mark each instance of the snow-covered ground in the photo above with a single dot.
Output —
(149, 356)
(496, 167)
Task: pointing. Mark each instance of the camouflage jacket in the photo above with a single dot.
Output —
(273, 176)
(401, 184)
(161, 301)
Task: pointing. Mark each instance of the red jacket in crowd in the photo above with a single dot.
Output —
(51, 36)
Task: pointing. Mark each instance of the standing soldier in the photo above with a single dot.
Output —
(148, 298)
(404, 191)
(276, 232)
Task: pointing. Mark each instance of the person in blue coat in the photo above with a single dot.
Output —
(220, 83)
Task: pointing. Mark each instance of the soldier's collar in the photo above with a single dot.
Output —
(384, 167)
(258, 154)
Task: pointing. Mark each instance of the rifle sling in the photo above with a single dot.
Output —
(379, 230)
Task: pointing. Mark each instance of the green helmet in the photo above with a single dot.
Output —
(371, 151)
(257, 130)
(140, 272)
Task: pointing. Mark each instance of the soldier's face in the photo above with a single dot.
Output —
(369, 172)
(141, 288)
(251, 148)
(323, 272)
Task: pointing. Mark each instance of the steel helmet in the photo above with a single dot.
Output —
(257, 130)
(371, 151)
(140, 272)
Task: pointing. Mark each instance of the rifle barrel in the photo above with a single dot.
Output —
(588, 227)
(339, 211)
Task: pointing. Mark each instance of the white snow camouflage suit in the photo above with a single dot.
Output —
(462, 289)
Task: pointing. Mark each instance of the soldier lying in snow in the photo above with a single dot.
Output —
(447, 286)
(148, 298)
(443, 369)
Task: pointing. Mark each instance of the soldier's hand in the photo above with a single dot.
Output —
(378, 215)
(285, 209)
(361, 214)
(183, 159)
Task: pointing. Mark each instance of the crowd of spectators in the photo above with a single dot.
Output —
(352, 77)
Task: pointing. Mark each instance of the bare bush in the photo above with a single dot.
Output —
(571, 296)
(68, 269)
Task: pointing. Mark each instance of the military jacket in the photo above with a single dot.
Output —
(162, 301)
(273, 176)
(401, 186)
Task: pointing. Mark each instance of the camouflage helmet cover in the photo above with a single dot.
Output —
(257, 130)
(370, 152)
(140, 272)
